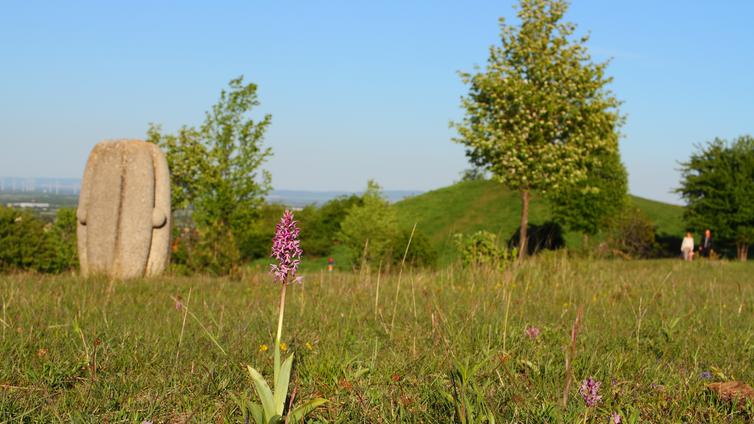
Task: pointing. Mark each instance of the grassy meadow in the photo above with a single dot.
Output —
(419, 346)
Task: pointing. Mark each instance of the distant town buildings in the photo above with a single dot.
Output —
(29, 205)
(40, 185)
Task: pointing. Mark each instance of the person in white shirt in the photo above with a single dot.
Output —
(687, 247)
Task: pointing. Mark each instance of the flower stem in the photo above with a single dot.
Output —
(280, 331)
(280, 318)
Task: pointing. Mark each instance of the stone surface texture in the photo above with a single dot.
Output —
(124, 211)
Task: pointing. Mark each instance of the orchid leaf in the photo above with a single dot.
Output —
(263, 391)
(301, 411)
(281, 385)
(256, 413)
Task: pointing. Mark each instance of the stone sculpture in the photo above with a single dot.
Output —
(124, 211)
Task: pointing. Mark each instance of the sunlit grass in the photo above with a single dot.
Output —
(74, 348)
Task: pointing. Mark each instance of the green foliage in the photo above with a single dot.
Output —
(215, 172)
(589, 205)
(369, 229)
(541, 108)
(470, 406)
(420, 252)
(62, 240)
(321, 225)
(257, 237)
(547, 236)
(632, 234)
(474, 173)
(28, 243)
(718, 186)
(482, 249)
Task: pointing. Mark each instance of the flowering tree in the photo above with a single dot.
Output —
(536, 116)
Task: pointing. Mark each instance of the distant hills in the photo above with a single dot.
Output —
(24, 189)
(301, 198)
(470, 206)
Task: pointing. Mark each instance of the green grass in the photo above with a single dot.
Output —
(649, 329)
(470, 206)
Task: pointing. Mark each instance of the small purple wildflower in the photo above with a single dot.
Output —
(532, 332)
(286, 249)
(705, 375)
(615, 418)
(589, 390)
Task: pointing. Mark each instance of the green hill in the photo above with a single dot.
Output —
(470, 206)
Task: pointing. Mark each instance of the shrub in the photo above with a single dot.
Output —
(483, 249)
(62, 240)
(547, 236)
(27, 243)
(632, 235)
(369, 229)
(420, 252)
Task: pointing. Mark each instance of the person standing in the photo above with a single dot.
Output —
(687, 247)
(705, 246)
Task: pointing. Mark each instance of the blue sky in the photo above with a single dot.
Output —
(357, 89)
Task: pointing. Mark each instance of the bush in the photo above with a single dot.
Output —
(369, 229)
(632, 235)
(548, 236)
(27, 243)
(420, 252)
(483, 249)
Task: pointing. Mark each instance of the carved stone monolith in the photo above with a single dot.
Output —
(124, 211)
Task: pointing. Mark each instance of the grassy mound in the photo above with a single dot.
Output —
(470, 206)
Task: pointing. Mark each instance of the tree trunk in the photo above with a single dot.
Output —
(585, 242)
(743, 251)
(522, 242)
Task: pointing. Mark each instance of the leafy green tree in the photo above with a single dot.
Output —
(589, 205)
(320, 226)
(370, 228)
(216, 172)
(718, 186)
(541, 109)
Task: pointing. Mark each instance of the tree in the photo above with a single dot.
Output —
(541, 109)
(369, 229)
(718, 185)
(588, 205)
(216, 173)
(320, 226)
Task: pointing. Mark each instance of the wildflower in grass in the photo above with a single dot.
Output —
(308, 346)
(615, 418)
(263, 348)
(286, 249)
(590, 391)
(532, 332)
(705, 375)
